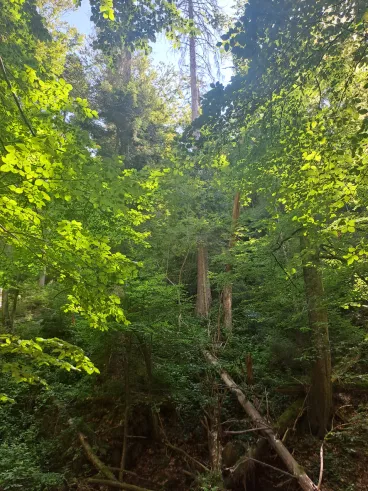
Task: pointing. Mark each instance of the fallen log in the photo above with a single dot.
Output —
(245, 466)
(293, 467)
(100, 466)
(95, 461)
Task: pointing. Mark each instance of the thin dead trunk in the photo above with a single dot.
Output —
(293, 467)
(203, 302)
(320, 396)
(213, 425)
(193, 67)
(42, 277)
(203, 285)
(227, 294)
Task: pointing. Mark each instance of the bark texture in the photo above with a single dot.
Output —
(214, 439)
(194, 92)
(42, 278)
(320, 396)
(203, 286)
(203, 302)
(293, 467)
(227, 294)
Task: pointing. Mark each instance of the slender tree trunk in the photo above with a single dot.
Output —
(147, 355)
(42, 277)
(227, 294)
(124, 451)
(14, 306)
(320, 396)
(203, 286)
(5, 310)
(193, 67)
(203, 303)
(9, 300)
(249, 369)
(214, 437)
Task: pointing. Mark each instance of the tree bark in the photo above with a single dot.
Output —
(227, 294)
(14, 306)
(193, 67)
(244, 469)
(5, 309)
(320, 396)
(203, 302)
(249, 369)
(203, 286)
(42, 277)
(95, 461)
(9, 300)
(293, 467)
(214, 439)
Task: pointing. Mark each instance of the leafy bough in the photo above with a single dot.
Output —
(31, 355)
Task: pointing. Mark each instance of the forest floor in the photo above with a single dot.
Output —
(157, 466)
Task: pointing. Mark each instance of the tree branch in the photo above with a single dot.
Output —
(25, 119)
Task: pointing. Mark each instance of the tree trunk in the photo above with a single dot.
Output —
(9, 301)
(227, 294)
(15, 293)
(193, 68)
(124, 450)
(320, 396)
(203, 286)
(293, 467)
(214, 434)
(42, 277)
(147, 355)
(203, 303)
(5, 310)
(92, 457)
(249, 369)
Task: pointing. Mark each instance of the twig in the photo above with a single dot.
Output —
(232, 469)
(242, 431)
(130, 473)
(180, 450)
(284, 270)
(280, 244)
(183, 452)
(234, 421)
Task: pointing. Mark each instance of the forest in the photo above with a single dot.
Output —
(184, 246)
